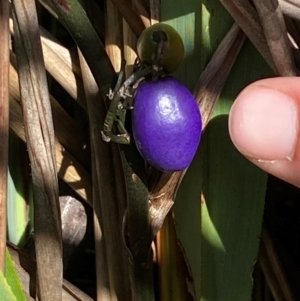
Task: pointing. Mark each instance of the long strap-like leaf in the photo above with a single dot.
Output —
(41, 148)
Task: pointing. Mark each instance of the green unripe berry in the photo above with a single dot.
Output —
(171, 51)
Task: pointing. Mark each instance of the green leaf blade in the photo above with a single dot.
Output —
(6, 291)
(13, 280)
(232, 213)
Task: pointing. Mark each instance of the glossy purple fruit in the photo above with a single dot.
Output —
(166, 123)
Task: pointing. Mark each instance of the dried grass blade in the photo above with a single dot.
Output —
(103, 285)
(4, 122)
(141, 10)
(62, 64)
(129, 39)
(68, 133)
(73, 293)
(273, 270)
(290, 8)
(162, 198)
(292, 35)
(109, 202)
(131, 17)
(276, 35)
(212, 79)
(69, 169)
(41, 147)
(246, 17)
(113, 35)
(102, 270)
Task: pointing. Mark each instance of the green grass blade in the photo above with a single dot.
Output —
(19, 198)
(232, 210)
(10, 285)
(202, 25)
(187, 213)
(5, 289)
(13, 279)
(16, 209)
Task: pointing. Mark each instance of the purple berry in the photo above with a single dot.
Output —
(166, 123)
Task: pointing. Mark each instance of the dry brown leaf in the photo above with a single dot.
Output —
(41, 148)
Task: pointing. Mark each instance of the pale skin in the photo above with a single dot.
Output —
(264, 125)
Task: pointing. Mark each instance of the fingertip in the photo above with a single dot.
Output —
(264, 126)
(263, 123)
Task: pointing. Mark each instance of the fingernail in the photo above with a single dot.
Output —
(263, 124)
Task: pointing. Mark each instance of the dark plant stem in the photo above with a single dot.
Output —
(120, 93)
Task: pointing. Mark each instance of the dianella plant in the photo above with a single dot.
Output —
(119, 180)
